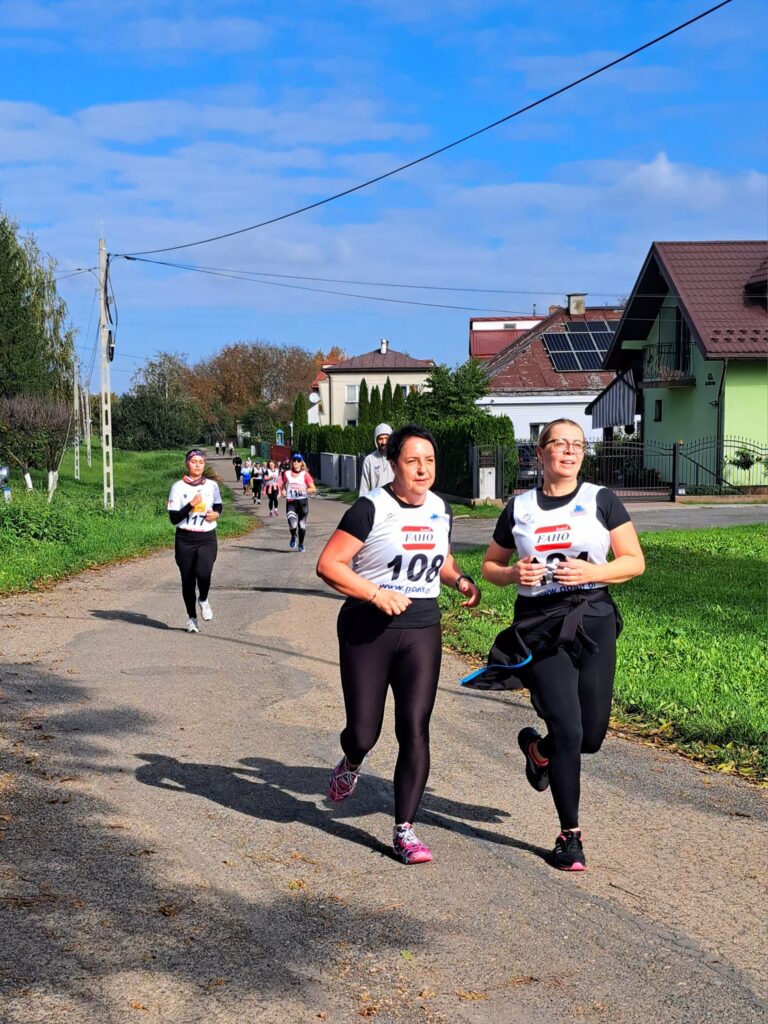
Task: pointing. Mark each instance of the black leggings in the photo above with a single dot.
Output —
(256, 484)
(297, 512)
(273, 495)
(195, 555)
(573, 696)
(408, 660)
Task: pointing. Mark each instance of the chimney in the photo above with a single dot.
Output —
(576, 304)
(554, 309)
(383, 346)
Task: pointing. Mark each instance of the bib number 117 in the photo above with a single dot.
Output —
(418, 566)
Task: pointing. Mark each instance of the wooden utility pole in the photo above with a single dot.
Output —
(106, 398)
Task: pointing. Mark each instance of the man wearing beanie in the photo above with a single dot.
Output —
(377, 470)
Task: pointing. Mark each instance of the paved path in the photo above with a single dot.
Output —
(167, 853)
(647, 516)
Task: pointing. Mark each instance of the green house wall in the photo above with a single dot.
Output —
(687, 413)
(746, 401)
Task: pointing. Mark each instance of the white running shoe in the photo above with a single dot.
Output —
(206, 611)
(192, 626)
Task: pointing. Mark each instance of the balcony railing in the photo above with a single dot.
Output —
(668, 365)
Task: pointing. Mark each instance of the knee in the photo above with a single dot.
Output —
(358, 740)
(413, 733)
(566, 736)
(592, 741)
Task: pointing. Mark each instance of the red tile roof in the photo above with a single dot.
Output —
(718, 285)
(524, 367)
(377, 360)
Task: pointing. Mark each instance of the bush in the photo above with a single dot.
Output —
(29, 517)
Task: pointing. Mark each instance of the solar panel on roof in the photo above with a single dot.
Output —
(565, 361)
(557, 343)
(578, 326)
(590, 360)
(584, 343)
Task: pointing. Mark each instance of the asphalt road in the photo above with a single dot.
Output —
(166, 852)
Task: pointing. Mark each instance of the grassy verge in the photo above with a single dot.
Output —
(692, 664)
(41, 543)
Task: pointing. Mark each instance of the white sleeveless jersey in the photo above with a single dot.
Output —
(296, 484)
(407, 546)
(182, 493)
(572, 531)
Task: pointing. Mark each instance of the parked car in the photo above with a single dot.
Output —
(527, 465)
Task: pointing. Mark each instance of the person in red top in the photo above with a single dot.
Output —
(296, 484)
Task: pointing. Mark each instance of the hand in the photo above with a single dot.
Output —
(575, 572)
(211, 516)
(471, 590)
(197, 499)
(526, 572)
(391, 602)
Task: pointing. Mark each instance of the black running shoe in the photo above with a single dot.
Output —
(537, 775)
(568, 854)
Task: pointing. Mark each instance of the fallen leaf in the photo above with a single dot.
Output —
(296, 884)
(470, 996)
(138, 1006)
(169, 909)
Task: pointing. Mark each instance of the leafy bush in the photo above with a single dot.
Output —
(29, 517)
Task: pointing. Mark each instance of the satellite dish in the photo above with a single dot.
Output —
(314, 398)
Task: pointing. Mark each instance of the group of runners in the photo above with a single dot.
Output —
(390, 555)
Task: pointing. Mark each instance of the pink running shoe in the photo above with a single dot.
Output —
(407, 847)
(343, 781)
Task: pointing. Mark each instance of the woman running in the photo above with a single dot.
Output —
(272, 486)
(296, 485)
(245, 475)
(194, 507)
(397, 538)
(564, 616)
(257, 481)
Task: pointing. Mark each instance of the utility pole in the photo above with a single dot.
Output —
(85, 398)
(106, 398)
(76, 413)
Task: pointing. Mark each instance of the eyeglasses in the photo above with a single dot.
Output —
(560, 444)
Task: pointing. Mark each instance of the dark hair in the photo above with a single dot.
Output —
(398, 439)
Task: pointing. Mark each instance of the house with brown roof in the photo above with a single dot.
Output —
(693, 342)
(554, 369)
(338, 384)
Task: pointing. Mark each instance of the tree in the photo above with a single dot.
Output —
(363, 405)
(33, 433)
(453, 393)
(398, 408)
(258, 420)
(386, 401)
(375, 406)
(166, 373)
(36, 342)
(300, 411)
(144, 421)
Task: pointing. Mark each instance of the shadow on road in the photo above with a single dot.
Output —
(135, 618)
(266, 789)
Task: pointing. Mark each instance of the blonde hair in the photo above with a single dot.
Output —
(549, 428)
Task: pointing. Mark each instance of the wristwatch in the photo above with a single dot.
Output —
(464, 577)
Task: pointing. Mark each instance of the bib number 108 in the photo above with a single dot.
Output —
(418, 566)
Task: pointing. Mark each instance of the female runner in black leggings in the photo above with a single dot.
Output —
(194, 507)
(562, 533)
(397, 538)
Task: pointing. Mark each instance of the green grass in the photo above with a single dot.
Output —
(41, 543)
(692, 667)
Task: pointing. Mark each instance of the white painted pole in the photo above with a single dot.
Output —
(76, 414)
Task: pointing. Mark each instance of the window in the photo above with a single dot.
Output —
(352, 392)
(534, 430)
(403, 388)
(351, 423)
(657, 411)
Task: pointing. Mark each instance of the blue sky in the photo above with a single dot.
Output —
(169, 122)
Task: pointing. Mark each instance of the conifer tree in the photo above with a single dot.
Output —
(363, 405)
(386, 401)
(375, 411)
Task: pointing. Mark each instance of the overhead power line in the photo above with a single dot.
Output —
(235, 275)
(441, 149)
(249, 274)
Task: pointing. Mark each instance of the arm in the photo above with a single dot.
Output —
(334, 569)
(628, 561)
(311, 489)
(365, 478)
(450, 573)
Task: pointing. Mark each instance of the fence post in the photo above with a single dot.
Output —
(675, 470)
(474, 471)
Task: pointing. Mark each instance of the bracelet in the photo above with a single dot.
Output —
(464, 577)
(370, 599)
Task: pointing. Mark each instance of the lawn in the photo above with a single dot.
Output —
(692, 666)
(40, 543)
